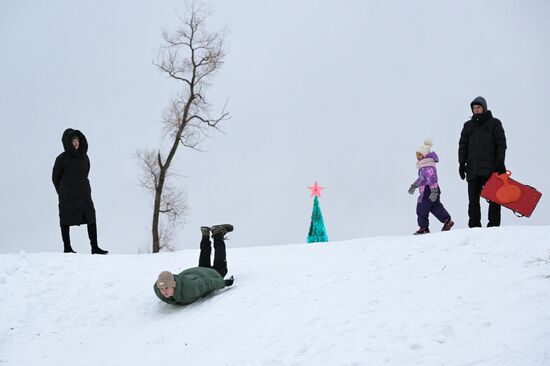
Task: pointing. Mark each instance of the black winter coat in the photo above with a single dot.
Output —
(482, 145)
(70, 178)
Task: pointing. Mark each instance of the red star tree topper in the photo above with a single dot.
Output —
(315, 190)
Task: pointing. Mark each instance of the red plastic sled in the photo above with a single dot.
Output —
(520, 198)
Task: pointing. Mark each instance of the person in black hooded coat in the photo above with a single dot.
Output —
(481, 151)
(70, 179)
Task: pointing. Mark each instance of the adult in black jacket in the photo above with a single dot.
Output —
(481, 151)
(70, 178)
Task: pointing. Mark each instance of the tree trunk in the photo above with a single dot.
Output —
(155, 228)
(156, 211)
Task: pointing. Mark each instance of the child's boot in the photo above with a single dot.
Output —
(422, 230)
(447, 225)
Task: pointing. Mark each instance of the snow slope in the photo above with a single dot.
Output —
(465, 297)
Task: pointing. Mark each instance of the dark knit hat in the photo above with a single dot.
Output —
(166, 280)
(479, 101)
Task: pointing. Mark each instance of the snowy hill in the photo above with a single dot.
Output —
(465, 297)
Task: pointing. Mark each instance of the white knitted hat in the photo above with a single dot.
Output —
(426, 148)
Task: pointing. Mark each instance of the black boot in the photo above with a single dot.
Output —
(98, 250)
(221, 229)
(65, 234)
(92, 234)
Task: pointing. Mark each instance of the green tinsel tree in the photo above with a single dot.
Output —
(317, 232)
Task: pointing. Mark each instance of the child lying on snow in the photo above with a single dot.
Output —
(193, 283)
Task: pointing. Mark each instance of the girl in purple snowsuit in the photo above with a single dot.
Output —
(428, 200)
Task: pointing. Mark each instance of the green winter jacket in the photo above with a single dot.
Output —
(192, 284)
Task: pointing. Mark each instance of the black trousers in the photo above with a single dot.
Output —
(92, 235)
(220, 262)
(475, 185)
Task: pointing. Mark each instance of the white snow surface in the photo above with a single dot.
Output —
(464, 297)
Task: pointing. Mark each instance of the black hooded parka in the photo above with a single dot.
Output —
(70, 178)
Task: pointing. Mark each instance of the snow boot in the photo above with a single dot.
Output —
(221, 229)
(205, 231)
(422, 230)
(447, 225)
(66, 236)
(98, 250)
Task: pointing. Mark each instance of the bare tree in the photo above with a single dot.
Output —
(189, 56)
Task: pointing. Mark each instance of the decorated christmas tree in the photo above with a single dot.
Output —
(317, 232)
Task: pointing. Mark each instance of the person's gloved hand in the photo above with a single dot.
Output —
(434, 193)
(500, 168)
(229, 281)
(462, 171)
(412, 188)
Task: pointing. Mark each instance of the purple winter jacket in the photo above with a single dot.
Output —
(427, 176)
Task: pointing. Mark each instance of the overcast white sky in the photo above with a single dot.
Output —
(340, 92)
